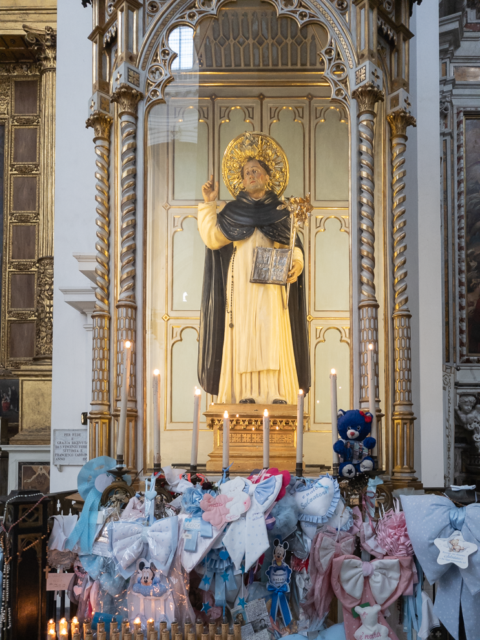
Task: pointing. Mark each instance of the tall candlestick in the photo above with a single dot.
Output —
(156, 421)
(371, 390)
(299, 468)
(150, 624)
(333, 407)
(122, 424)
(266, 440)
(195, 430)
(226, 446)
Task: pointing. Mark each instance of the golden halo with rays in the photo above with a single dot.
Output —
(254, 146)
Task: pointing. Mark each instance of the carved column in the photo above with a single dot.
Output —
(127, 99)
(403, 417)
(367, 95)
(45, 46)
(100, 405)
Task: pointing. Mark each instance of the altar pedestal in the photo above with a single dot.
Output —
(246, 435)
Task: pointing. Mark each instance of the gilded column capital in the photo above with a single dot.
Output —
(127, 98)
(100, 123)
(399, 121)
(44, 43)
(367, 95)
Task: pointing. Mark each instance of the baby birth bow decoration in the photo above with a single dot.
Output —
(248, 536)
(383, 577)
(218, 575)
(92, 480)
(316, 501)
(378, 582)
(134, 540)
(430, 518)
(325, 546)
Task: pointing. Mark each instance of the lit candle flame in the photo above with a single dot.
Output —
(156, 372)
(265, 413)
(300, 392)
(198, 392)
(333, 372)
(370, 346)
(128, 344)
(225, 415)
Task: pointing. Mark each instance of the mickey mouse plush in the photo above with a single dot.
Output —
(354, 428)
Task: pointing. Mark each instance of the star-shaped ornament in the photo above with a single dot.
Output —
(454, 549)
(206, 607)
(241, 602)
(206, 580)
(225, 576)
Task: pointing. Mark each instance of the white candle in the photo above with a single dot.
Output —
(156, 417)
(333, 408)
(301, 399)
(266, 440)
(122, 424)
(196, 427)
(226, 440)
(371, 390)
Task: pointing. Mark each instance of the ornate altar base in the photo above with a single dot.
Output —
(246, 435)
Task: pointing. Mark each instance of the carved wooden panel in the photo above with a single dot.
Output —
(24, 193)
(23, 242)
(21, 339)
(22, 291)
(25, 97)
(25, 144)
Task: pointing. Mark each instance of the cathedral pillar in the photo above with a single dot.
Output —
(367, 95)
(44, 43)
(127, 99)
(402, 416)
(99, 417)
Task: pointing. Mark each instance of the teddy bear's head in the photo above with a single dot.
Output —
(354, 424)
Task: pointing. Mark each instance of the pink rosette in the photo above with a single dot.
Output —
(392, 533)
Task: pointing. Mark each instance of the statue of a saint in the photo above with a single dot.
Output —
(252, 348)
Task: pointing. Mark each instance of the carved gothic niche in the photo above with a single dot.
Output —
(281, 35)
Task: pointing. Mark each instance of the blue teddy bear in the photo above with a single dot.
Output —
(354, 428)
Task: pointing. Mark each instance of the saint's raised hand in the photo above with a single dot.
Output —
(210, 193)
(295, 271)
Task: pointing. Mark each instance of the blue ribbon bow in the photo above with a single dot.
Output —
(219, 572)
(195, 524)
(429, 517)
(85, 529)
(279, 599)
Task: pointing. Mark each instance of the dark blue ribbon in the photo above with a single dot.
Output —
(279, 599)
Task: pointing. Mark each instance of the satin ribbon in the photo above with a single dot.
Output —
(218, 574)
(279, 599)
(86, 527)
(131, 541)
(412, 609)
(195, 525)
(150, 495)
(429, 517)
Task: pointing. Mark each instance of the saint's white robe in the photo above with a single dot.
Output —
(258, 360)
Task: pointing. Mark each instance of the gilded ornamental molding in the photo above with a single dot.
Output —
(127, 99)
(367, 95)
(399, 122)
